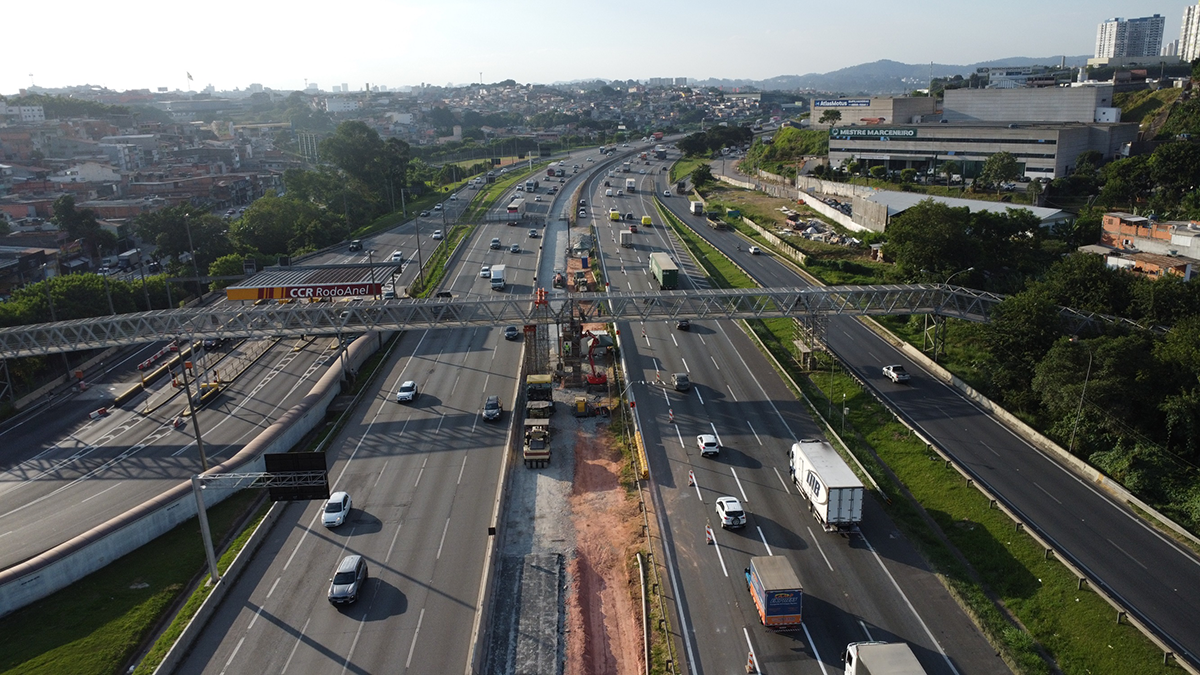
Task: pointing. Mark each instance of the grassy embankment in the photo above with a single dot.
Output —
(989, 566)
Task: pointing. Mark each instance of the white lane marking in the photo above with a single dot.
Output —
(866, 631)
(674, 340)
(993, 451)
(1125, 552)
(253, 619)
(764, 539)
(714, 430)
(377, 478)
(685, 366)
(733, 395)
(272, 591)
(408, 661)
(461, 469)
(719, 556)
(299, 638)
(392, 546)
(745, 499)
(912, 609)
(781, 480)
(697, 486)
(421, 472)
(714, 360)
(445, 529)
(816, 655)
(113, 487)
(235, 651)
(699, 396)
(818, 543)
(751, 646)
(754, 432)
(441, 418)
(1044, 491)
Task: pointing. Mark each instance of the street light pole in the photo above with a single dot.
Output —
(1079, 411)
(192, 249)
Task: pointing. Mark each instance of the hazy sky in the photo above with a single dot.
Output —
(138, 44)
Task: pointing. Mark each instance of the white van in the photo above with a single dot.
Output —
(608, 193)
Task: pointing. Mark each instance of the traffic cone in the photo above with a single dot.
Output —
(691, 479)
(751, 666)
(671, 415)
(708, 534)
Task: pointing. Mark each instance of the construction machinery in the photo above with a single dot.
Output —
(595, 378)
(536, 448)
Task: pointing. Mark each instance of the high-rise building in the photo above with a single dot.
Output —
(1171, 48)
(1189, 34)
(1117, 37)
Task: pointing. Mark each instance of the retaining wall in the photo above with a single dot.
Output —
(74, 559)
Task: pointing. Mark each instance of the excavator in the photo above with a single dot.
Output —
(596, 378)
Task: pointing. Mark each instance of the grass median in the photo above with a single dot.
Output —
(98, 624)
(987, 563)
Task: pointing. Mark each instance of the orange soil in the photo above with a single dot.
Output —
(603, 617)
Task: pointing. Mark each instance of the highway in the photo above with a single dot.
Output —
(424, 479)
(1144, 569)
(859, 587)
(62, 473)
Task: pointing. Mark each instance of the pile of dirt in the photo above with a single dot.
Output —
(603, 618)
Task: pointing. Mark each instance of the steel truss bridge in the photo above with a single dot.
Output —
(342, 318)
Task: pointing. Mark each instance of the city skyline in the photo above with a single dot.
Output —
(400, 43)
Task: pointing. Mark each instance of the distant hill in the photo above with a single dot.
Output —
(882, 77)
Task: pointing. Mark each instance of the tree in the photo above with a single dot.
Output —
(878, 171)
(830, 117)
(949, 169)
(693, 144)
(169, 229)
(82, 224)
(1175, 169)
(930, 240)
(1023, 328)
(998, 168)
(907, 175)
(280, 226)
(355, 149)
(702, 175)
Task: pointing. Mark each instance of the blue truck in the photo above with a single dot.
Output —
(776, 590)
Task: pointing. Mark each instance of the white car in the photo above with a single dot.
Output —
(437, 207)
(708, 445)
(730, 512)
(437, 234)
(453, 198)
(754, 250)
(537, 198)
(337, 509)
(397, 256)
(408, 392)
(896, 373)
(666, 193)
(485, 272)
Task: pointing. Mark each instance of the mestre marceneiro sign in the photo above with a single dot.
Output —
(873, 132)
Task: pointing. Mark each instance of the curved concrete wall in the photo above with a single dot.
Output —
(74, 559)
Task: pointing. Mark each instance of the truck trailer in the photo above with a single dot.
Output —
(498, 277)
(834, 493)
(630, 185)
(776, 591)
(881, 658)
(665, 271)
(627, 239)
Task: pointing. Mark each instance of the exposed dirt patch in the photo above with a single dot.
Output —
(603, 618)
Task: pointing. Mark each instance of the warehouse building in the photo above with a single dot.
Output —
(1045, 129)
(875, 110)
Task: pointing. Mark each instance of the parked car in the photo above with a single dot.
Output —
(337, 509)
(492, 409)
(408, 392)
(708, 445)
(348, 580)
(730, 512)
(896, 373)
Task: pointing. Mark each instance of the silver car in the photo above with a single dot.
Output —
(348, 579)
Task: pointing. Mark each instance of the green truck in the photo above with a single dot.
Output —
(665, 271)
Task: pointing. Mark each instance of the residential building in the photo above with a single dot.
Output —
(33, 114)
(1189, 34)
(1136, 37)
(341, 105)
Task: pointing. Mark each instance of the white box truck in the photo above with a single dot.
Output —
(834, 493)
(626, 239)
(630, 185)
(881, 658)
(697, 208)
(497, 277)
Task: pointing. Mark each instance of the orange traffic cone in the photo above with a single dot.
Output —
(751, 666)
(691, 479)
(708, 533)
(671, 415)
